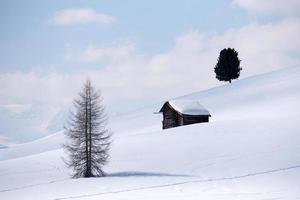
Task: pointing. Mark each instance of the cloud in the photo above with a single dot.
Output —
(262, 48)
(129, 79)
(4, 142)
(189, 65)
(92, 54)
(129, 75)
(16, 108)
(74, 16)
(277, 7)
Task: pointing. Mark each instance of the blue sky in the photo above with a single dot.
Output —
(152, 25)
(137, 52)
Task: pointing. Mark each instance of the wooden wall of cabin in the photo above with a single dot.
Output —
(180, 120)
(170, 119)
(194, 119)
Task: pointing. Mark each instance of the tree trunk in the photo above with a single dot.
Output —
(88, 167)
(90, 130)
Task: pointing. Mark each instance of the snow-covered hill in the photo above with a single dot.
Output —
(249, 150)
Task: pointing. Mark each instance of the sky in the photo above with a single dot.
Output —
(137, 52)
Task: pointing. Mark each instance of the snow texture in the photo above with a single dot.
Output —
(188, 107)
(249, 151)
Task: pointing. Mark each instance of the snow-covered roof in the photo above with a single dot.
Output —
(188, 107)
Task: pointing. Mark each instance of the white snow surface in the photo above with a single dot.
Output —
(188, 107)
(249, 151)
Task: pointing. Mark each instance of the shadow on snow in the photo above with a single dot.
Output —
(144, 174)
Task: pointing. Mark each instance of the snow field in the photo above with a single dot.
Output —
(249, 150)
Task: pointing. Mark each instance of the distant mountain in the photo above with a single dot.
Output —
(37, 121)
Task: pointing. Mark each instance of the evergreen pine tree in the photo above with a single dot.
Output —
(88, 138)
(228, 66)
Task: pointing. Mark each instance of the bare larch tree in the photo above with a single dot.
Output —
(88, 139)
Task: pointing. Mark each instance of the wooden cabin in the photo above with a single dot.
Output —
(183, 112)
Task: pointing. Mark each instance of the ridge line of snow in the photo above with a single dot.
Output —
(242, 80)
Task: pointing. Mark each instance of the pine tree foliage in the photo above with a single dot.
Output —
(88, 141)
(228, 66)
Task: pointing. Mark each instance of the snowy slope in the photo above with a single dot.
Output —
(249, 150)
(47, 143)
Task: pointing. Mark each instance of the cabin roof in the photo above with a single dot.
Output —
(188, 107)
